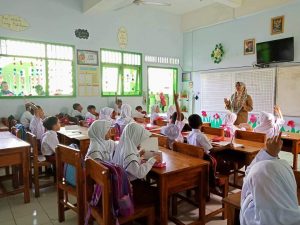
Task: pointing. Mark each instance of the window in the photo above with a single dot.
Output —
(121, 73)
(36, 69)
(162, 60)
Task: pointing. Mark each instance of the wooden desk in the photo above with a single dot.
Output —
(14, 151)
(181, 173)
(233, 206)
(79, 137)
(291, 143)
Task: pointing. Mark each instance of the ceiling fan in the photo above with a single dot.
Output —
(143, 2)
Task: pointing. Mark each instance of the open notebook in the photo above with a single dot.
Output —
(151, 147)
(224, 143)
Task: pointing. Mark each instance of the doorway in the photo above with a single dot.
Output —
(162, 82)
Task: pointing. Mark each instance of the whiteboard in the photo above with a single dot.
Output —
(216, 86)
(288, 90)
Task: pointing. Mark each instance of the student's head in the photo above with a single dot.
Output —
(51, 123)
(139, 108)
(113, 115)
(195, 121)
(155, 109)
(4, 86)
(99, 129)
(135, 134)
(240, 87)
(174, 117)
(125, 111)
(29, 108)
(91, 109)
(119, 103)
(38, 111)
(77, 107)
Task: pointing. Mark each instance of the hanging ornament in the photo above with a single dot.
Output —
(217, 54)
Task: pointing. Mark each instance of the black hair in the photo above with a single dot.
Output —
(75, 106)
(174, 117)
(138, 108)
(49, 122)
(91, 107)
(195, 121)
(119, 101)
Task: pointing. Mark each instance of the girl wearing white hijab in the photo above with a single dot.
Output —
(229, 121)
(125, 116)
(154, 113)
(106, 114)
(269, 193)
(268, 124)
(127, 153)
(170, 111)
(99, 147)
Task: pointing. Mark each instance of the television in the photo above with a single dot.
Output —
(281, 50)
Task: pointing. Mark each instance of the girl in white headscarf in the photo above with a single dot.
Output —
(99, 147)
(170, 111)
(229, 121)
(269, 125)
(107, 114)
(125, 116)
(269, 193)
(154, 113)
(128, 155)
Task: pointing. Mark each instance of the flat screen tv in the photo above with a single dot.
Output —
(281, 50)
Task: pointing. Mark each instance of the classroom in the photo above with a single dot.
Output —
(156, 112)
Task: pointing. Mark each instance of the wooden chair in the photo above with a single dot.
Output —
(67, 155)
(163, 141)
(250, 136)
(198, 152)
(160, 123)
(213, 131)
(37, 163)
(233, 203)
(102, 214)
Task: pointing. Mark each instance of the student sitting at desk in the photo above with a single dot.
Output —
(108, 114)
(49, 138)
(229, 121)
(170, 111)
(36, 124)
(91, 112)
(138, 113)
(125, 117)
(77, 111)
(100, 148)
(177, 120)
(154, 113)
(27, 115)
(197, 138)
(269, 193)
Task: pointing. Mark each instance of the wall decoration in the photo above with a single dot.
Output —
(249, 46)
(217, 54)
(122, 37)
(82, 34)
(88, 81)
(186, 77)
(14, 23)
(87, 57)
(277, 25)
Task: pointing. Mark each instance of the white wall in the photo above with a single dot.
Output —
(198, 45)
(149, 32)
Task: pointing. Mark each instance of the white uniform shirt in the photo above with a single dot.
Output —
(77, 113)
(137, 114)
(36, 127)
(197, 138)
(49, 142)
(89, 115)
(26, 118)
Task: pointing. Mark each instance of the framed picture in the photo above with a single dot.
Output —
(277, 25)
(186, 77)
(87, 57)
(249, 46)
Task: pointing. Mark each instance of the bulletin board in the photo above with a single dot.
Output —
(88, 81)
(288, 90)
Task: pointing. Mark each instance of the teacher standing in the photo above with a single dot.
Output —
(240, 103)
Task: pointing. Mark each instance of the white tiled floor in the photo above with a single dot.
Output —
(43, 210)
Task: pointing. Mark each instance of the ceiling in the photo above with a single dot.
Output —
(178, 7)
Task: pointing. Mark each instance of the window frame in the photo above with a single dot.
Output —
(121, 68)
(46, 68)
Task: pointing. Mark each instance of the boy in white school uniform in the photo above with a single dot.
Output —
(27, 115)
(138, 113)
(91, 112)
(49, 138)
(77, 111)
(36, 124)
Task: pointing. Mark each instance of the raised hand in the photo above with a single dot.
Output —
(274, 145)
(176, 96)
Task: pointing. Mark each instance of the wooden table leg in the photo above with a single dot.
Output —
(295, 155)
(203, 190)
(25, 165)
(163, 195)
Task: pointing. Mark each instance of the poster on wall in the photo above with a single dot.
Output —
(186, 77)
(88, 81)
(87, 57)
(14, 23)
